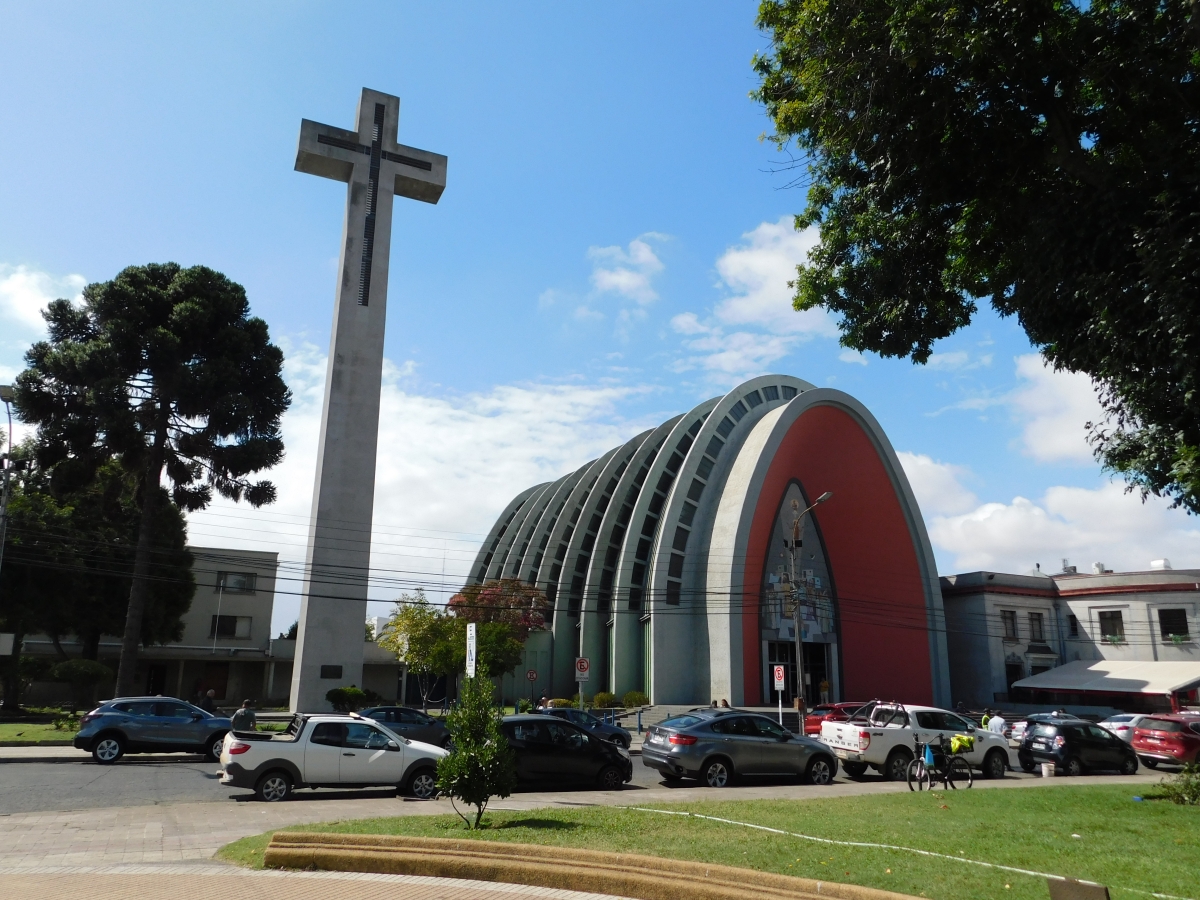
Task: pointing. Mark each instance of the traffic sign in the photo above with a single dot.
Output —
(780, 679)
(531, 674)
(583, 668)
(470, 649)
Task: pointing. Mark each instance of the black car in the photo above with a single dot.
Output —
(1075, 746)
(612, 733)
(410, 723)
(552, 752)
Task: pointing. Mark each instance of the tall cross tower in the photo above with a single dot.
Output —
(329, 644)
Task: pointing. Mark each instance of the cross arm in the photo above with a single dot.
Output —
(331, 157)
(419, 174)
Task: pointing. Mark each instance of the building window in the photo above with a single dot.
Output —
(1073, 626)
(237, 627)
(1037, 627)
(1173, 623)
(235, 582)
(1112, 626)
(1009, 618)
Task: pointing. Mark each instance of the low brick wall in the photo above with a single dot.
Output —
(619, 874)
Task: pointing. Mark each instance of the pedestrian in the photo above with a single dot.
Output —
(543, 701)
(208, 702)
(961, 709)
(987, 715)
(243, 719)
(824, 689)
(724, 703)
(996, 724)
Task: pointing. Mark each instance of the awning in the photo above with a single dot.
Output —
(1116, 677)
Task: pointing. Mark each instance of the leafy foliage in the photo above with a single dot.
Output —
(1184, 786)
(417, 633)
(509, 601)
(83, 675)
(347, 699)
(481, 764)
(635, 698)
(161, 369)
(1040, 155)
(605, 700)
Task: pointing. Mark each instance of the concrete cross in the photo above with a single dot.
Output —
(329, 642)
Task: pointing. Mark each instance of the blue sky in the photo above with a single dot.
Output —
(612, 247)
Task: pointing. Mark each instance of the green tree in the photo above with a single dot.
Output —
(418, 633)
(481, 764)
(163, 369)
(1042, 156)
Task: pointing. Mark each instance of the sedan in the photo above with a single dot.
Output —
(614, 734)
(410, 723)
(717, 745)
(551, 752)
(1123, 725)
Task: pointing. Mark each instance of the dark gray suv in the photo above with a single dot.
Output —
(410, 723)
(150, 725)
(614, 734)
(716, 745)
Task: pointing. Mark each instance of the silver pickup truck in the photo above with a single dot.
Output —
(342, 751)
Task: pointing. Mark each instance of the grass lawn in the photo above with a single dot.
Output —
(34, 732)
(1144, 846)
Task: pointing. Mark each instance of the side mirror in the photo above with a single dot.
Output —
(970, 727)
(786, 736)
(196, 717)
(392, 745)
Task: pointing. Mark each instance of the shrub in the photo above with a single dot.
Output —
(524, 706)
(1184, 788)
(82, 675)
(481, 764)
(347, 699)
(563, 702)
(605, 700)
(635, 698)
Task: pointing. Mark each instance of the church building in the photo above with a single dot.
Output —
(674, 567)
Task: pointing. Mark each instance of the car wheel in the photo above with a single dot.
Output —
(1028, 765)
(215, 745)
(717, 774)
(896, 767)
(108, 749)
(423, 784)
(1150, 763)
(273, 787)
(446, 743)
(610, 779)
(1129, 766)
(995, 764)
(821, 770)
(855, 769)
(1073, 766)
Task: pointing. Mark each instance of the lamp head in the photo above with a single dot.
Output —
(6, 393)
(825, 496)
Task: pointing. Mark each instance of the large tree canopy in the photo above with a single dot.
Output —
(161, 368)
(1044, 156)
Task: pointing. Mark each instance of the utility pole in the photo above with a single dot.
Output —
(798, 594)
(6, 396)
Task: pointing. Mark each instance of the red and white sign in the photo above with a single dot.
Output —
(780, 681)
(583, 668)
(531, 674)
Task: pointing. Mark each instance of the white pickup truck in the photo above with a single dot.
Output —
(884, 736)
(328, 751)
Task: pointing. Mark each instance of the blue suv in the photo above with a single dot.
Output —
(150, 725)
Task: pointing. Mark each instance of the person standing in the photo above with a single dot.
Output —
(208, 702)
(987, 715)
(996, 724)
(243, 719)
(824, 689)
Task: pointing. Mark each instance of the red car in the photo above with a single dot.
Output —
(829, 712)
(1169, 739)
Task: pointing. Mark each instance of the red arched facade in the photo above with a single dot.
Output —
(872, 555)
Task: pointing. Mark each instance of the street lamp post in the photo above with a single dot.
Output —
(794, 544)
(6, 396)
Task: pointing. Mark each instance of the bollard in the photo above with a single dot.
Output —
(639, 721)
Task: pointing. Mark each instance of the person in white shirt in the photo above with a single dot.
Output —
(996, 724)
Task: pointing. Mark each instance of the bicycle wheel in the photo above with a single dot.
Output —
(918, 775)
(960, 773)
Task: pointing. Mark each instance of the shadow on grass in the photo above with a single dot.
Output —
(546, 824)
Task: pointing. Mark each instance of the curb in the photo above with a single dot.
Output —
(593, 871)
(37, 743)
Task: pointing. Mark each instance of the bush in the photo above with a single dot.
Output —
(635, 698)
(605, 700)
(524, 706)
(563, 702)
(1184, 788)
(481, 764)
(83, 675)
(347, 699)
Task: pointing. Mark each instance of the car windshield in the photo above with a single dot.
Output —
(1120, 719)
(1162, 725)
(681, 722)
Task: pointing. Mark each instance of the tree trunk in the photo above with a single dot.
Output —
(12, 673)
(58, 647)
(140, 589)
(91, 646)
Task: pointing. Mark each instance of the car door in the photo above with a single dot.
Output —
(573, 753)
(778, 753)
(531, 746)
(741, 740)
(180, 724)
(323, 753)
(370, 756)
(1104, 747)
(953, 724)
(140, 724)
(421, 727)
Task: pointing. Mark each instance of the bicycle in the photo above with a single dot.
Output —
(933, 763)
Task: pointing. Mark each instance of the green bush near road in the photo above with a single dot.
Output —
(1147, 846)
(1184, 787)
(605, 700)
(635, 698)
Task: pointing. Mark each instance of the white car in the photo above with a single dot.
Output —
(328, 751)
(1122, 726)
(884, 736)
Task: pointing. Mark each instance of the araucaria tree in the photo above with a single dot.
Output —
(163, 369)
(1044, 156)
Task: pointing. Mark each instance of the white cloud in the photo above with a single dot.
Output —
(936, 484)
(25, 293)
(853, 357)
(1055, 406)
(447, 466)
(728, 358)
(627, 273)
(757, 272)
(1103, 524)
